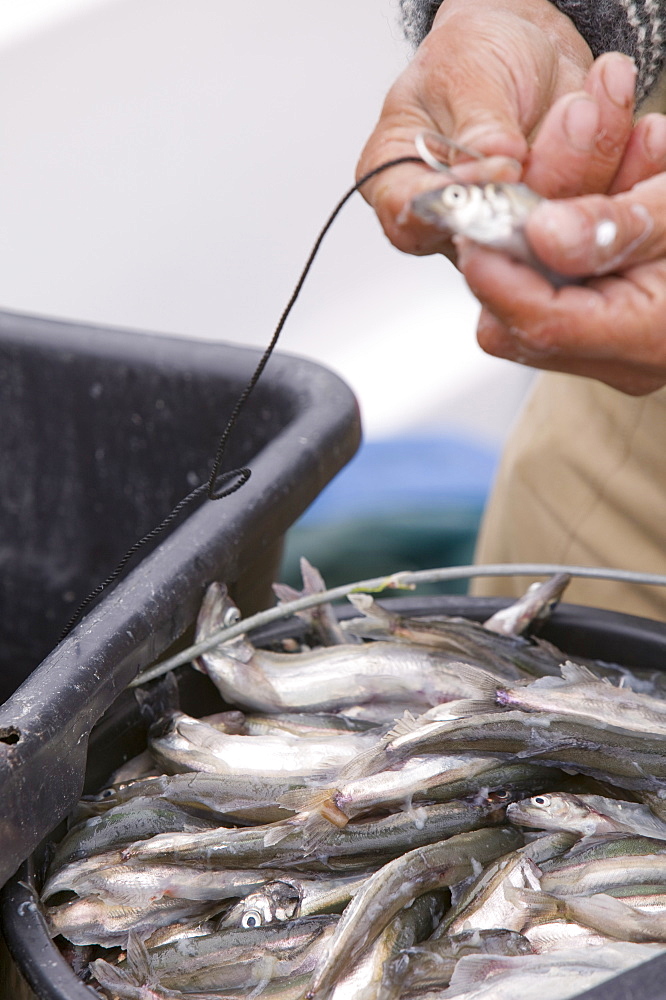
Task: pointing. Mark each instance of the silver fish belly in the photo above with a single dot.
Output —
(493, 215)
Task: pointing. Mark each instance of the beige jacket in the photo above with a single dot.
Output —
(582, 481)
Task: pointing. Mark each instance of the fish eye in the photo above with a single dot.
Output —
(230, 617)
(541, 800)
(501, 795)
(252, 918)
(454, 194)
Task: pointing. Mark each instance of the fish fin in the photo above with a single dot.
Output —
(110, 976)
(314, 835)
(313, 581)
(541, 905)
(467, 707)
(298, 799)
(471, 971)
(364, 763)
(285, 593)
(138, 959)
(315, 824)
(577, 673)
(367, 605)
(321, 803)
(376, 623)
(483, 682)
(275, 833)
(407, 723)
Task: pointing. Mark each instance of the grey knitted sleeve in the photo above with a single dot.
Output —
(635, 27)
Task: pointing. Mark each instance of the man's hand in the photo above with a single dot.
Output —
(487, 76)
(612, 328)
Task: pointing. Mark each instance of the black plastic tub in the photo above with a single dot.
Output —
(103, 431)
(38, 967)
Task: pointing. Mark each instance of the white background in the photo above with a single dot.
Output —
(166, 165)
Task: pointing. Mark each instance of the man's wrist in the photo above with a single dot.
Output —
(638, 30)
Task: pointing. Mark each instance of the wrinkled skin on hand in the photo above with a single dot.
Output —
(514, 79)
(612, 328)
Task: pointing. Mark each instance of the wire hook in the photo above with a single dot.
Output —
(428, 156)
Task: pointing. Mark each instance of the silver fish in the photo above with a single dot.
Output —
(234, 957)
(336, 677)
(182, 743)
(601, 865)
(493, 215)
(136, 980)
(372, 977)
(423, 779)
(432, 962)
(128, 884)
(226, 796)
(503, 654)
(289, 898)
(577, 692)
(601, 912)
(628, 758)
(590, 815)
(534, 606)
(562, 976)
(395, 885)
(143, 817)
(92, 921)
(484, 904)
(311, 847)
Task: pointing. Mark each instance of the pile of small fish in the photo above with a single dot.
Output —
(413, 807)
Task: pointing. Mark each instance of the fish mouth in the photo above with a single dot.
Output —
(428, 208)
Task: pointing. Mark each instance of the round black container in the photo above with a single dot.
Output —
(36, 967)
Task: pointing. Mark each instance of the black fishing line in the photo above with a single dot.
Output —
(213, 488)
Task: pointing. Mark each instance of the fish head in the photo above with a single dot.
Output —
(547, 811)
(493, 215)
(277, 901)
(219, 611)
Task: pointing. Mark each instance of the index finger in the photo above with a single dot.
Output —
(597, 235)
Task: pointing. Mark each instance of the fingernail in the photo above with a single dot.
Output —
(581, 123)
(619, 79)
(564, 226)
(654, 138)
